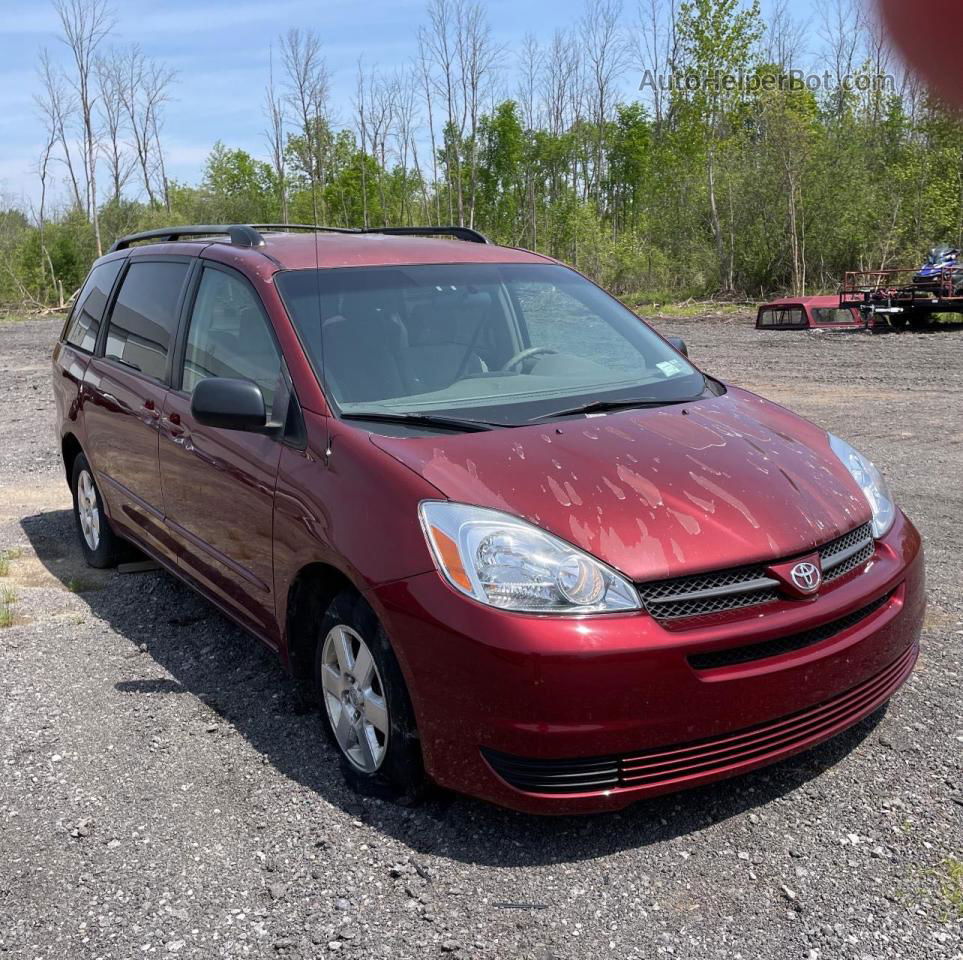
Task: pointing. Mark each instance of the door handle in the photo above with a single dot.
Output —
(171, 427)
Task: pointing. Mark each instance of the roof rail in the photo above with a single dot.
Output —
(240, 235)
(460, 233)
(313, 227)
(247, 235)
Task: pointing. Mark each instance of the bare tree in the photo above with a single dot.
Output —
(439, 41)
(145, 88)
(43, 171)
(274, 105)
(58, 107)
(784, 40)
(155, 126)
(307, 92)
(606, 57)
(113, 116)
(530, 60)
(560, 102)
(361, 105)
(86, 24)
(382, 102)
(132, 71)
(655, 51)
(841, 23)
(423, 65)
(406, 140)
(478, 57)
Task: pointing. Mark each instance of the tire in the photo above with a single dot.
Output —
(366, 711)
(101, 547)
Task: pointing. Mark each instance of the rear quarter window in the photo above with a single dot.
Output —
(85, 319)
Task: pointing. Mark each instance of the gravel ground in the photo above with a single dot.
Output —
(159, 795)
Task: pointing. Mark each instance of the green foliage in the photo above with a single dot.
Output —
(751, 185)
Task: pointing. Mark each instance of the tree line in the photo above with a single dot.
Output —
(743, 162)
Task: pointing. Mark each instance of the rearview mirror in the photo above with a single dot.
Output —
(229, 404)
(679, 344)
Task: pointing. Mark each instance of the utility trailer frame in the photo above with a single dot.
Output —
(896, 296)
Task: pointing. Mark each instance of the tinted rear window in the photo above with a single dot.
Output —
(833, 315)
(84, 323)
(144, 317)
(782, 317)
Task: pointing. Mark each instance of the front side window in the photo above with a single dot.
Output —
(84, 323)
(144, 318)
(507, 343)
(229, 336)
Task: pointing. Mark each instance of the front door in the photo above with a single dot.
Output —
(218, 485)
(124, 394)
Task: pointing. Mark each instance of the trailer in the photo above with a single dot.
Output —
(901, 297)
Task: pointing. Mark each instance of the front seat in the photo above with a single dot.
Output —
(440, 342)
(363, 350)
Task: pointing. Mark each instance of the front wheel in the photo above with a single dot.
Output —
(100, 545)
(366, 709)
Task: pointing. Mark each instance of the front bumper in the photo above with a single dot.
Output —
(529, 696)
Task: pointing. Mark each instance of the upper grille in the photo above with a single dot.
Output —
(720, 590)
(847, 552)
(680, 765)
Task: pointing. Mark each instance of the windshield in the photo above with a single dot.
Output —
(504, 343)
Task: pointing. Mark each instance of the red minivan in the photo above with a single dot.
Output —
(510, 539)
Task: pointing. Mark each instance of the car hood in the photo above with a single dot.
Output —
(657, 493)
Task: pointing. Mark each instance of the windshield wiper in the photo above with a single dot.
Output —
(421, 420)
(600, 406)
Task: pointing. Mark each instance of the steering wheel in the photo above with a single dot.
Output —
(526, 354)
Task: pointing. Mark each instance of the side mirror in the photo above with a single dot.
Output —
(229, 404)
(679, 344)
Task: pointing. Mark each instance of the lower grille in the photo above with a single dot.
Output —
(782, 645)
(721, 590)
(674, 766)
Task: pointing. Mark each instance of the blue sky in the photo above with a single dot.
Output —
(221, 51)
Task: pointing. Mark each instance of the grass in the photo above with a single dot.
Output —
(79, 585)
(950, 880)
(7, 599)
(5, 557)
(650, 305)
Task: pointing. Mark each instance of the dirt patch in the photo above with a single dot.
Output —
(161, 793)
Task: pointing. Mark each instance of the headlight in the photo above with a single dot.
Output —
(870, 481)
(508, 563)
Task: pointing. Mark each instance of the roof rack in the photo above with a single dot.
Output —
(247, 235)
(239, 234)
(461, 233)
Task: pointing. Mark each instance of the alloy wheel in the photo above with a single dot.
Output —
(87, 509)
(354, 698)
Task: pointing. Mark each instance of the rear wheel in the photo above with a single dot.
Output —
(366, 710)
(100, 545)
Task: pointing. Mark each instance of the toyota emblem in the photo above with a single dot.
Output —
(806, 577)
